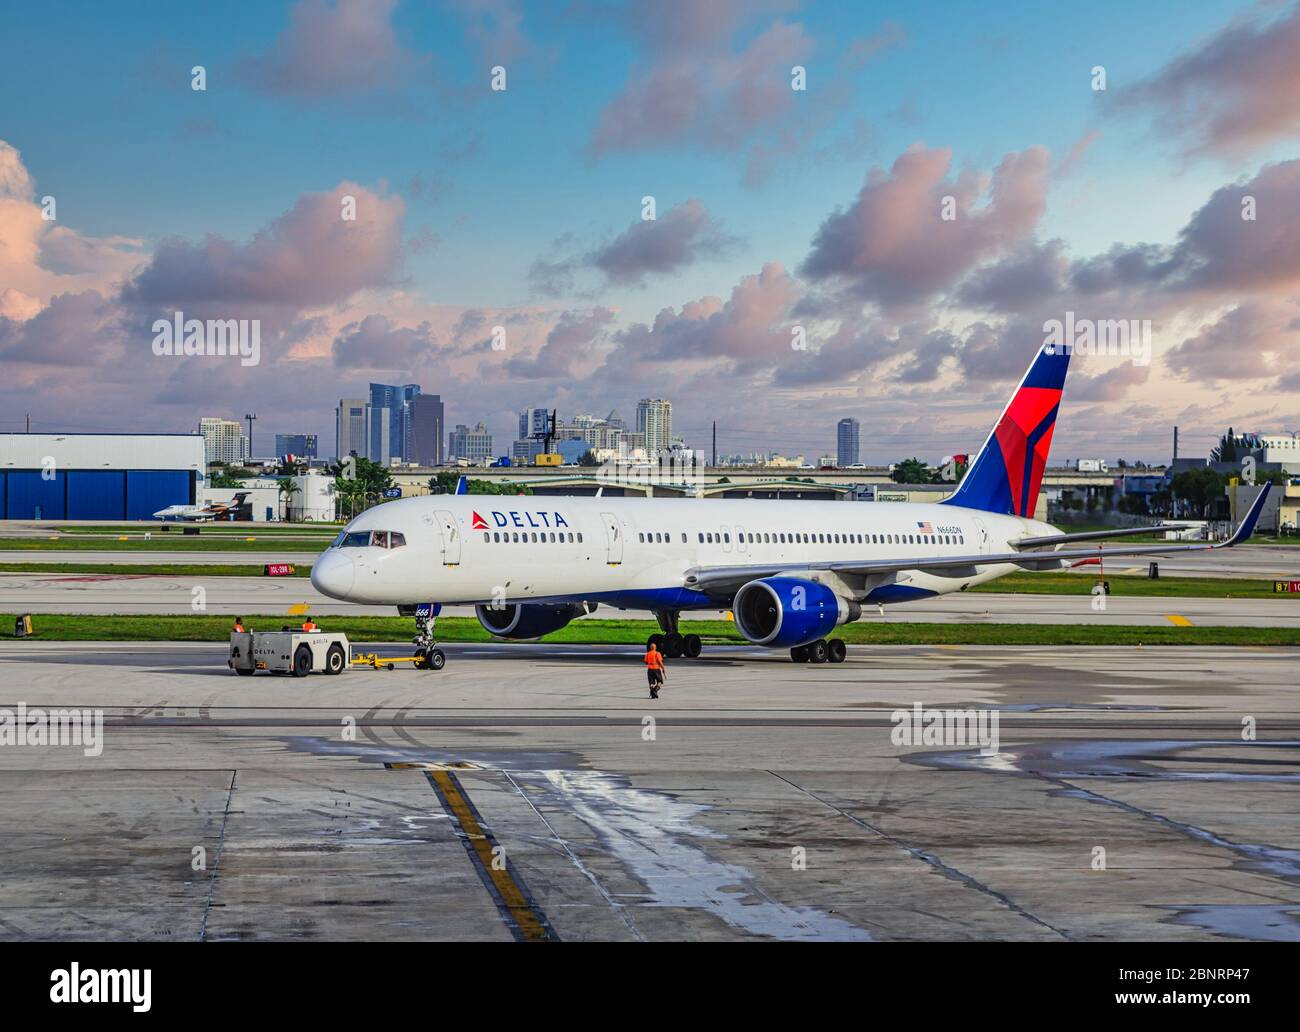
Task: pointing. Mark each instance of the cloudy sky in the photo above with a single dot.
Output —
(776, 208)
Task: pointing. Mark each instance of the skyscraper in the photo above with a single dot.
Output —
(654, 418)
(531, 421)
(396, 400)
(847, 433)
(224, 440)
(426, 413)
(350, 428)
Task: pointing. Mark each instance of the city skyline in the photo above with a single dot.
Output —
(1106, 176)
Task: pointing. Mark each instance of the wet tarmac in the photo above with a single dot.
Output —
(534, 792)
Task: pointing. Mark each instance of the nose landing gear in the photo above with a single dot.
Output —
(427, 655)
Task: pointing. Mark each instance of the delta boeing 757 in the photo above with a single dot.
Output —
(789, 571)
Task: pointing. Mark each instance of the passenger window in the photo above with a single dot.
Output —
(515, 536)
(641, 538)
(726, 538)
(579, 537)
(683, 537)
(701, 539)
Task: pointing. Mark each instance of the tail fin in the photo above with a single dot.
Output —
(1008, 471)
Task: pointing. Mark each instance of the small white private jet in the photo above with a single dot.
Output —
(201, 513)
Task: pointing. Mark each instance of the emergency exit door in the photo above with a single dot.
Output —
(613, 538)
(450, 538)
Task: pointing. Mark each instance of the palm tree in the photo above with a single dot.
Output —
(287, 489)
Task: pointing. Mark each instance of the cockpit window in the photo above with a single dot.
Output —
(370, 539)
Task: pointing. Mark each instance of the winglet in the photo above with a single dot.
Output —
(1247, 526)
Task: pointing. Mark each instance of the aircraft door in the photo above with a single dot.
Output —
(613, 538)
(450, 538)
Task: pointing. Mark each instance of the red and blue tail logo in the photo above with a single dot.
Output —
(1007, 473)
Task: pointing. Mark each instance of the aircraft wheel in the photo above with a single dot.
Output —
(692, 646)
(836, 650)
(302, 661)
(657, 640)
(435, 659)
(244, 671)
(674, 646)
(817, 651)
(799, 653)
(335, 661)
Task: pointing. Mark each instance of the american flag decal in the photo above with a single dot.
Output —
(925, 528)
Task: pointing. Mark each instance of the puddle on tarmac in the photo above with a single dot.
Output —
(1114, 758)
(1042, 707)
(653, 834)
(1259, 922)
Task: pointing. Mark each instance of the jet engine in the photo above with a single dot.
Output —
(785, 612)
(517, 622)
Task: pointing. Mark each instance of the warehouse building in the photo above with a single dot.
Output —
(97, 476)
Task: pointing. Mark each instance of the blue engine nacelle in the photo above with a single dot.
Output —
(517, 622)
(783, 612)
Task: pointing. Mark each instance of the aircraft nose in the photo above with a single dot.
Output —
(333, 574)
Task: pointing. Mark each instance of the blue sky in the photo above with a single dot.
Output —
(96, 99)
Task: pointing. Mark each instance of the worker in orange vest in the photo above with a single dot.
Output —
(239, 625)
(654, 662)
(309, 625)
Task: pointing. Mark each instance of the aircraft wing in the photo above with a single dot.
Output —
(722, 578)
(1095, 535)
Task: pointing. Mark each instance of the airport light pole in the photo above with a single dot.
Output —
(250, 419)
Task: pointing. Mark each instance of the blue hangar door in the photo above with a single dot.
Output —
(97, 494)
(29, 492)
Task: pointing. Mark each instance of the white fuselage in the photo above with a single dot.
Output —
(634, 553)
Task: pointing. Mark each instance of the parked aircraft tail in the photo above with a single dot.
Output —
(1008, 471)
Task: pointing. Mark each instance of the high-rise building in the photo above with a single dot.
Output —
(531, 421)
(396, 400)
(302, 446)
(654, 418)
(224, 440)
(379, 434)
(470, 444)
(350, 428)
(425, 445)
(847, 433)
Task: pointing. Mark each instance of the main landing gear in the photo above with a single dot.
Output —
(820, 651)
(672, 643)
(427, 655)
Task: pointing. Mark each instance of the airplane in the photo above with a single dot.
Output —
(790, 572)
(202, 513)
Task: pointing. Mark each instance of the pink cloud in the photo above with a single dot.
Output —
(892, 245)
